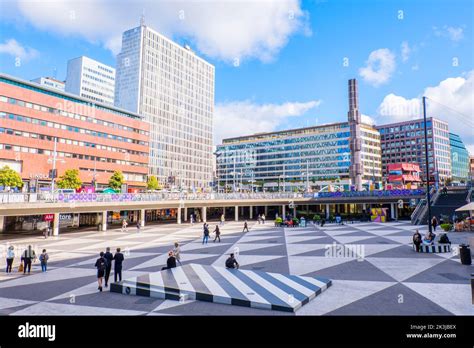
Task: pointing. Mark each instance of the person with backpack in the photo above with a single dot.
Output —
(217, 231)
(10, 258)
(27, 257)
(44, 257)
(101, 265)
(245, 226)
(205, 237)
(108, 257)
(118, 258)
(231, 262)
(417, 240)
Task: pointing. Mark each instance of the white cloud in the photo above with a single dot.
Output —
(367, 119)
(406, 50)
(245, 117)
(455, 34)
(455, 93)
(225, 30)
(15, 49)
(470, 148)
(379, 67)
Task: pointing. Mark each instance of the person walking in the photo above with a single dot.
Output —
(124, 225)
(101, 265)
(108, 257)
(205, 234)
(45, 233)
(231, 262)
(191, 219)
(28, 256)
(44, 257)
(177, 252)
(245, 226)
(10, 258)
(222, 219)
(217, 231)
(263, 219)
(259, 219)
(138, 226)
(434, 223)
(118, 258)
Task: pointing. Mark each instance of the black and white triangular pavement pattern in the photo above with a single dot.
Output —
(245, 288)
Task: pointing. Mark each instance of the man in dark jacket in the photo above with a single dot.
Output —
(118, 258)
(417, 240)
(231, 262)
(171, 262)
(109, 257)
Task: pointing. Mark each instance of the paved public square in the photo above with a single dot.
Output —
(378, 274)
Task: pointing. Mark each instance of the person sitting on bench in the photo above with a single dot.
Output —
(417, 240)
(443, 239)
(429, 238)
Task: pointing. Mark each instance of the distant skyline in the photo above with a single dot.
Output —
(280, 64)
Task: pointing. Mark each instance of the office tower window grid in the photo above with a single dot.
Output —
(174, 90)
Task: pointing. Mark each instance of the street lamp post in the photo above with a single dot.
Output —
(427, 168)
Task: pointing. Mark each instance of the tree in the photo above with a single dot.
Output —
(116, 180)
(70, 180)
(153, 183)
(9, 177)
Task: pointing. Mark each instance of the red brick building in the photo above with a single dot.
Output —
(95, 138)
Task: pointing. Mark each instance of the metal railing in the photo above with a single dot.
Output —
(6, 198)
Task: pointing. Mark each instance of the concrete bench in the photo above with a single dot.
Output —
(434, 248)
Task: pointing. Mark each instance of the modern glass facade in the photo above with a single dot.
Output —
(459, 159)
(404, 142)
(314, 156)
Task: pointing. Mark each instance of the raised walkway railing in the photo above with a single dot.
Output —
(6, 198)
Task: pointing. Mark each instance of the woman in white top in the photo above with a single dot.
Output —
(177, 252)
(10, 257)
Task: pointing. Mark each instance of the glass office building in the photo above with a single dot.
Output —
(289, 160)
(459, 159)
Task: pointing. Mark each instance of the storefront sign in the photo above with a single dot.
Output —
(48, 217)
(39, 176)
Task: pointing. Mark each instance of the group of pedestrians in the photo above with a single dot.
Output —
(104, 266)
(28, 257)
(125, 226)
(261, 219)
(206, 232)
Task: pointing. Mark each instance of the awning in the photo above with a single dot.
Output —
(466, 207)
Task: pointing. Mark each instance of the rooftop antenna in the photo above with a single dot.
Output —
(142, 18)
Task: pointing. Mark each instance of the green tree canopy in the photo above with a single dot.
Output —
(70, 180)
(153, 183)
(116, 180)
(9, 177)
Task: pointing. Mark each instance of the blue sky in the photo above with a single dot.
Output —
(290, 70)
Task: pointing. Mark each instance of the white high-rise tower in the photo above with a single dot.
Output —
(173, 89)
